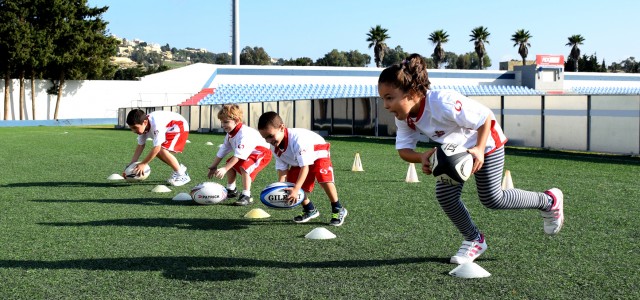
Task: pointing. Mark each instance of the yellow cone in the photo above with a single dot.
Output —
(357, 164)
(507, 183)
(412, 175)
(257, 213)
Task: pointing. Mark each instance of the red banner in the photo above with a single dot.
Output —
(550, 60)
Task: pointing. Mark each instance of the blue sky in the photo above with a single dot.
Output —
(307, 28)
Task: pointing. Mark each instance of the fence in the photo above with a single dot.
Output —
(602, 123)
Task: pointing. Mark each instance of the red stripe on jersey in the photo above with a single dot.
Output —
(496, 138)
(284, 143)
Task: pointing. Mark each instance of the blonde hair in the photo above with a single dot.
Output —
(231, 112)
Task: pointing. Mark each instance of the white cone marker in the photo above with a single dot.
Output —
(507, 182)
(469, 270)
(115, 177)
(160, 189)
(357, 164)
(182, 197)
(320, 233)
(412, 175)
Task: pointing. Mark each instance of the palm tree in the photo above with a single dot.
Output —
(376, 38)
(521, 38)
(574, 41)
(479, 36)
(438, 37)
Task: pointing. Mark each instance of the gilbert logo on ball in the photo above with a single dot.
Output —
(451, 164)
(275, 195)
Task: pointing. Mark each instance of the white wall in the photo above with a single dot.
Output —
(86, 99)
(590, 79)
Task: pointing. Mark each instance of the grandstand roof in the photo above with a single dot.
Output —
(237, 84)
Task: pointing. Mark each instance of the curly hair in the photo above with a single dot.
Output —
(230, 112)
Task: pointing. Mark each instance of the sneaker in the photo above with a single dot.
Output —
(338, 218)
(469, 251)
(554, 217)
(306, 216)
(179, 180)
(244, 200)
(232, 193)
(181, 169)
(173, 176)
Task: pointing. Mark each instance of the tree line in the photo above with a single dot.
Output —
(385, 56)
(55, 40)
(62, 40)
(478, 58)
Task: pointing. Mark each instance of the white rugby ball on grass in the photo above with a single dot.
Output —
(208, 193)
(129, 175)
(451, 164)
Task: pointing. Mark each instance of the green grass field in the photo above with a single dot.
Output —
(68, 233)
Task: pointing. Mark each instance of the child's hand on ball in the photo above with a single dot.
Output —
(426, 164)
(139, 170)
(478, 158)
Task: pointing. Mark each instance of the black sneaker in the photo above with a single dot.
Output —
(243, 200)
(306, 216)
(338, 218)
(232, 193)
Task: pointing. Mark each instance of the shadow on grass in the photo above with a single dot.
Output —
(204, 268)
(119, 183)
(128, 201)
(190, 224)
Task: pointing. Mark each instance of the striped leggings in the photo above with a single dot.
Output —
(489, 183)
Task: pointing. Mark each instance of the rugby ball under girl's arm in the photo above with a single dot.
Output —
(451, 164)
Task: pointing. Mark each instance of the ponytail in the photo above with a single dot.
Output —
(410, 75)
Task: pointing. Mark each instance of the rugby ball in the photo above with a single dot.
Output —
(275, 196)
(451, 164)
(130, 176)
(208, 193)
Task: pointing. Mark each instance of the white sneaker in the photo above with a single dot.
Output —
(469, 251)
(554, 217)
(179, 180)
(173, 177)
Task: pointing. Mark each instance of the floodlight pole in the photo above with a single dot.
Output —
(236, 33)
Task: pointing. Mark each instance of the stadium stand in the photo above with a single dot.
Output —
(195, 99)
(598, 90)
(243, 93)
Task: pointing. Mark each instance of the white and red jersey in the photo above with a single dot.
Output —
(162, 123)
(449, 117)
(243, 141)
(300, 147)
